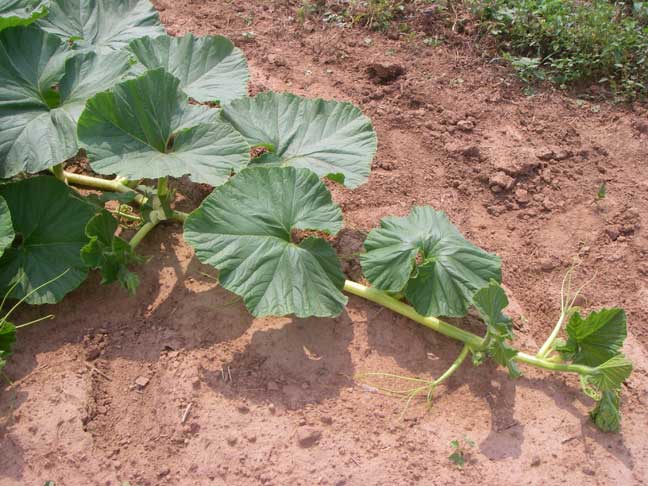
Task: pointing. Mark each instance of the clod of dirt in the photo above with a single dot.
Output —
(499, 182)
(545, 154)
(522, 196)
(547, 265)
(469, 151)
(308, 437)
(465, 125)
(384, 73)
(563, 155)
(326, 419)
(141, 382)
(231, 439)
(516, 165)
(92, 354)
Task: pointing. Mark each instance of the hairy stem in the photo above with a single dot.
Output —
(454, 366)
(472, 341)
(115, 185)
(58, 172)
(546, 347)
(385, 300)
(144, 230)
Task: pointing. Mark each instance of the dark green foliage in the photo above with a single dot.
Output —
(570, 42)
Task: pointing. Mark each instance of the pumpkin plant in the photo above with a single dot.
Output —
(102, 77)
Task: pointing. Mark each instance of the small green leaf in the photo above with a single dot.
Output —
(503, 354)
(146, 128)
(607, 415)
(490, 301)
(331, 138)
(102, 24)
(49, 220)
(209, 68)
(458, 459)
(449, 270)
(109, 253)
(597, 338)
(21, 12)
(244, 229)
(7, 338)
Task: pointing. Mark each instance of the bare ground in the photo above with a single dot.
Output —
(273, 401)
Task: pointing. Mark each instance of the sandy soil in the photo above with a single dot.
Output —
(99, 393)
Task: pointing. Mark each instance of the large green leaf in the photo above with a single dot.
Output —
(597, 338)
(244, 229)
(42, 93)
(102, 24)
(110, 254)
(426, 257)
(49, 219)
(7, 234)
(20, 12)
(209, 68)
(145, 128)
(331, 138)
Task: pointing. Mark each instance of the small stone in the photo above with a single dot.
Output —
(243, 408)
(613, 233)
(502, 181)
(465, 125)
(544, 154)
(92, 354)
(272, 408)
(546, 264)
(308, 437)
(251, 437)
(141, 381)
(164, 472)
(643, 268)
(326, 419)
(231, 439)
(522, 196)
(588, 471)
(536, 461)
(563, 155)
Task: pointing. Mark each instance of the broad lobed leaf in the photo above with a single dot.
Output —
(209, 68)
(244, 229)
(101, 25)
(7, 234)
(43, 87)
(331, 138)
(14, 13)
(49, 220)
(450, 269)
(595, 339)
(145, 128)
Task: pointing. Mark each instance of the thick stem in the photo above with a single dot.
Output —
(115, 185)
(179, 216)
(474, 342)
(58, 172)
(144, 230)
(454, 366)
(546, 347)
(379, 297)
(163, 187)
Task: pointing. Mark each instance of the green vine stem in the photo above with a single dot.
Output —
(115, 185)
(473, 342)
(144, 230)
(59, 173)
(454, 366)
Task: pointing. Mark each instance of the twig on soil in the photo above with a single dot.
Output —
(100, 373)
(186, 413)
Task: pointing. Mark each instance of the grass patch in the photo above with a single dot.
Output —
(571, 42)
